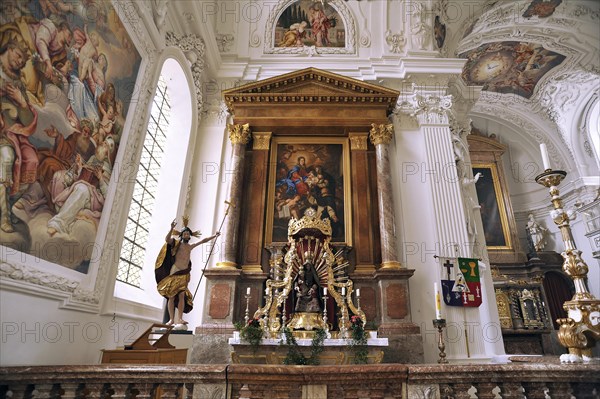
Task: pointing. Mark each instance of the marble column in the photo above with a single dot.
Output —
(239, 135)
(255, 198)
(381, 136)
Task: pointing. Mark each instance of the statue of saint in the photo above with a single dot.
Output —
(172, 271)
(536, 234)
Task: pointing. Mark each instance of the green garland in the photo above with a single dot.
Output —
(251, 333)
(359, 341)
(294, 356)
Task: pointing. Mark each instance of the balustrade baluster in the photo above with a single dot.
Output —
(96, 390)
(119, 390)
(446, 391)
(189, 391)
(585, 390)
(19, 391)
(534, 390)
(71, 390)
(461, 391)
(244, 392)
(511, 390)
(170, 390)
(484, 390)
(44, 391)
(143, 390)
(559, 390)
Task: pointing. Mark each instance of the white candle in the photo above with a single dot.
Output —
(438, 302)
(248, 291)
(343, 290)
(267, 291)
(545, 157)
(358, 292)
(325, 291)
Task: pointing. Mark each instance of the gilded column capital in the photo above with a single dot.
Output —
(261, 140)
(358, 141)
(238, 133)
(381, 134)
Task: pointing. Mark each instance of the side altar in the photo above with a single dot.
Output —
(309, 284)
(310, 153)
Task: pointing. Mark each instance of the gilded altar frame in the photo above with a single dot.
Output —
(345, 173)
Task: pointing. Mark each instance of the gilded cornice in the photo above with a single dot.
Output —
(261, 141)
(381, 134)
(238, 133)
(358, 141)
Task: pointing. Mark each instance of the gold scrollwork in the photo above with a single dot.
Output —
(238, 133)
(381, 134)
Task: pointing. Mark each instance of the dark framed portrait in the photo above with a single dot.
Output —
(309, 173)
(493, 211)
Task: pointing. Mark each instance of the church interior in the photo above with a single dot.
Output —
(403, 196)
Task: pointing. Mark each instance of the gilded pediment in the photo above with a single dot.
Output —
(310, 85)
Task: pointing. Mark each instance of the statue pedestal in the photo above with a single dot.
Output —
(335, 351)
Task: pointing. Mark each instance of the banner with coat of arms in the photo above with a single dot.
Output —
(462, 286)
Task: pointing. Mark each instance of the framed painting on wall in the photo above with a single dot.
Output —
(493, 211)
(309, 173)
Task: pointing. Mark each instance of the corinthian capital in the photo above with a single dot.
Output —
(431, 108)
(381, 134)
(239, 134)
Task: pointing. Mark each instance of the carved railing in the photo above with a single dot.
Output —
(533, 380)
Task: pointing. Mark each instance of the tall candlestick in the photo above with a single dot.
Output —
(545, 157)
(438, 302)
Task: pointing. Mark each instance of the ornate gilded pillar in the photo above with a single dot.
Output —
(381, 136)
(239, 135)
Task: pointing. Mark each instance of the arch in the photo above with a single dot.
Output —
(174, 168)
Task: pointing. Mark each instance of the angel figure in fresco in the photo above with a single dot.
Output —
(173, 268)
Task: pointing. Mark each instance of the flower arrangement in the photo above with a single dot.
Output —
(359, 340)
(251, 332)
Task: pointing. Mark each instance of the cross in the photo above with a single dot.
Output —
(448, 266)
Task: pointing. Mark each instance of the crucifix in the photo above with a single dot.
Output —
(448, 266)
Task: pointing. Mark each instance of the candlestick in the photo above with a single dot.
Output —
(440, 324)
(545, 157)
(247, 314)
(574, 330)
(325, 311)
(438, 302)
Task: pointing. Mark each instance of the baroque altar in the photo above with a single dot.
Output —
(310, 283)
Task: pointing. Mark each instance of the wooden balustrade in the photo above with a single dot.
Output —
(380, 381)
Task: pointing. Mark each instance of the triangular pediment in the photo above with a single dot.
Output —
(310, 85)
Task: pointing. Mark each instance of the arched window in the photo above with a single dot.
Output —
(158, 188)
(135, 238)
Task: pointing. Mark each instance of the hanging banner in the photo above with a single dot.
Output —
(462, 286)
